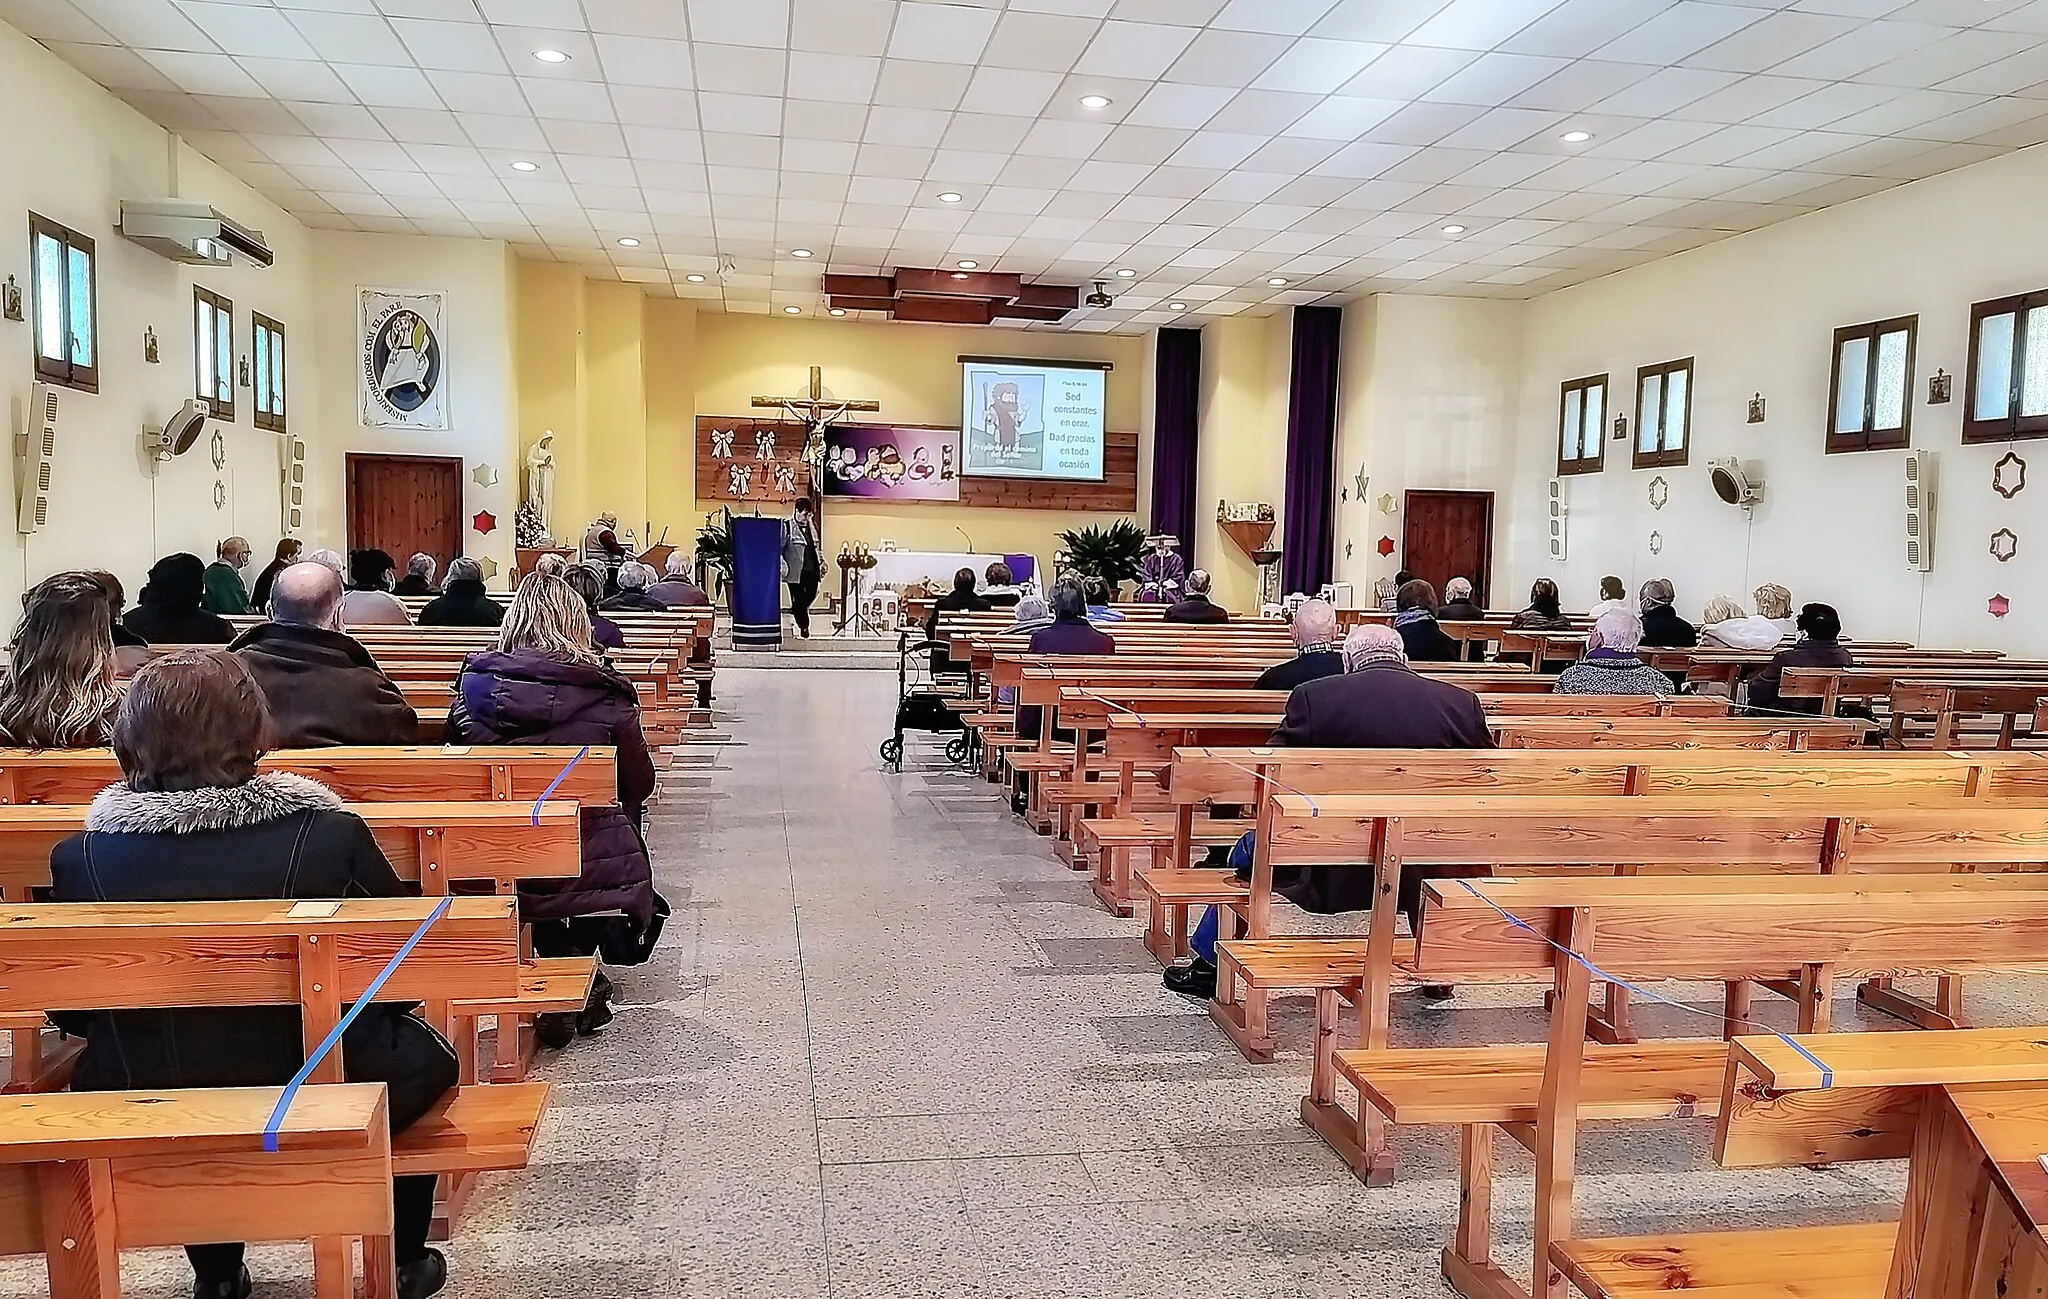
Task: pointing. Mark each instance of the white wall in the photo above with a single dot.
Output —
(477, 275)
(1758, 312)
(1427, 398)
(106, 510)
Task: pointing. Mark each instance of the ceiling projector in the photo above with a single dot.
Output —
(1098, 298)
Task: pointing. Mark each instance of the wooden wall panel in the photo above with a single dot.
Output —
(1116, 493)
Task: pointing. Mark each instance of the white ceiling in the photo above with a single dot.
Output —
(1327, 142)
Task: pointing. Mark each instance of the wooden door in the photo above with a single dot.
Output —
(1447, 535)
(404, 504)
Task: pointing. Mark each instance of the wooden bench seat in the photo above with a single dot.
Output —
(475, 1129)
(1503, 1085)
(1110, 842)
(1169, 894)
(1840, 1262)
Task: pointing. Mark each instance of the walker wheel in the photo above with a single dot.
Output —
(892, 753)
(956, 750)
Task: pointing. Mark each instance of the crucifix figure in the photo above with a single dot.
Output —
(816, 415)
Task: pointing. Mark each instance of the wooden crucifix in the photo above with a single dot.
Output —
(814, 412)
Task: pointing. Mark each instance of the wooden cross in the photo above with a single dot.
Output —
(814, 412)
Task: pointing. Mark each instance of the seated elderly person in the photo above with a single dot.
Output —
(322, 686)
(1378, 703)
(1316, 652)
(1195, 606)
(464, 602)
(1662, 625)
(635, 579)
(1611, 666)
(999, 586)
(419, 576)
(1458, 605)
(675, 590)
(1820, 646)
(1727, 627)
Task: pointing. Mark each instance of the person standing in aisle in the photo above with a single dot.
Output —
(801, 566)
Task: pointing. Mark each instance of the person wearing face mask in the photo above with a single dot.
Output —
(322, 686)
(224, 590)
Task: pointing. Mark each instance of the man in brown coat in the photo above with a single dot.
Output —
(323, 687)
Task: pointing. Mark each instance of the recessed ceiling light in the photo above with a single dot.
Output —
(792, 311)
(1277, 281)
(523, 165)
(551, 56)
(629, 242)
(1126, 273)
(1095, 101)
(1454, 230)
(967, 265)
(694, 279)
(799, 252)
(1576, 137)
(949, 197)
(839, 311)
(1176, 306)
(959, 275)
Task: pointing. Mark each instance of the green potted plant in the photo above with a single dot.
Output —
(714, 550)
(1115, 554)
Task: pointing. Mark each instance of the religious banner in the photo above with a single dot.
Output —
(400, 364)
(744, 460)
(879, 462)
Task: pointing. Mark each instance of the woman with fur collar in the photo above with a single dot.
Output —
(194, 820)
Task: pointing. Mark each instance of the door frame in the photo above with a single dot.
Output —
(1485, 574)
(351, 459)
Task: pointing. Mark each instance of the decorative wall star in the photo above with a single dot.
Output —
(2005, 543)
(2009, 476)
(1363, 481)
(485, 476)
(489, 565)
(1347, 550)
(1998, 606)
(485, 522)
(1386, 546)
(1656, 543)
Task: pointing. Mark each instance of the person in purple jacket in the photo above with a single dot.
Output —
(1069, 633)
(546, 683)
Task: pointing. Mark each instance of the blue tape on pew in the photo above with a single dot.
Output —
(291, 1089)
(556, 783)
(1827, 1075)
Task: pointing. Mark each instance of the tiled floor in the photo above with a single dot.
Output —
(891, 1047)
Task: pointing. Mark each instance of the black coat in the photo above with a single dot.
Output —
(279, 836)
(1197, 609)
(524, 697)
(413, 584)
(165, 625)
(324, 688)
(259, 594)
(1299, 669)
(1664, 629)
(956, 600)
(1808, 653)
(1060, 636)
(463, 604)
(1460, 611)
(633, 602)
(1380, 706)
(1426, 643)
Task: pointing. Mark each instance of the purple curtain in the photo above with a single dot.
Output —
(1176, 427)
(1310, 540)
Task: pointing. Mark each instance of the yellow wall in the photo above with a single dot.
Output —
(1243, 455)
(671, 354)
(548, 330)
(615, 402)
(914, 371)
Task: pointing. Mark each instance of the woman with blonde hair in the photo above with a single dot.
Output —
(60, 691)
(546, 683)
(1775, 602)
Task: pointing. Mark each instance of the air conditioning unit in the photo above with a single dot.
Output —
(192, 233)
(36, 456)
(293, 497)
(1735, 483)
(1558, 510)
(1920, 511)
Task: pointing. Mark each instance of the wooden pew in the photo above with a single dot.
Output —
(1966, 1108)
(1742, 835)
(318, 956)
(358, 774)
(1948, 700)
(1803, 931)
(99, 1172)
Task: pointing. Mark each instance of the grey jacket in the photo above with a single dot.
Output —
(794, 544)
